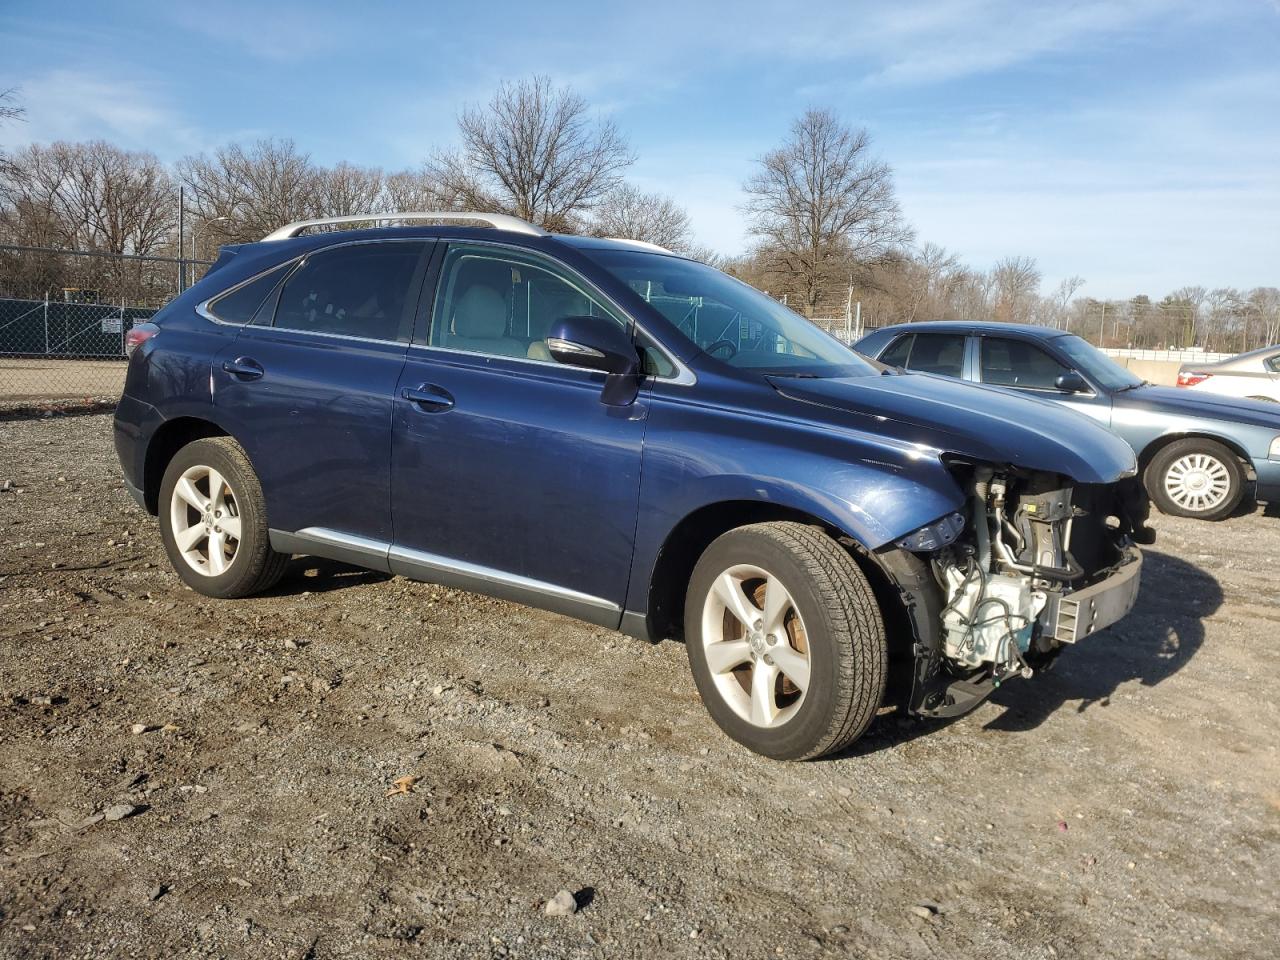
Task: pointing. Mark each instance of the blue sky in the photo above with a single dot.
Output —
(1136, 144)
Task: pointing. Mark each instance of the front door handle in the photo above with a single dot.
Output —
(428, 397)
(244, 368)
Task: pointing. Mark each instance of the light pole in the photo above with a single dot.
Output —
(195, 231)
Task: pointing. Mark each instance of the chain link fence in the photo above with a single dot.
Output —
(63, 320)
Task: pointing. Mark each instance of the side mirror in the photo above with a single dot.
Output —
(1071, 382)
(598, 343)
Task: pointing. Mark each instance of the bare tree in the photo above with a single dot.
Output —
(533, 151)
(1057, 313)
(345, 190)
(822, 200)
(91, 196)
(243, 193)
(629, 213)
(410, 190)
(10, 110)
(1016, 281)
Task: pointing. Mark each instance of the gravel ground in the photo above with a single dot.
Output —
(187, 777)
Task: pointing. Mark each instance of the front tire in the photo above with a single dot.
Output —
(1196, 478)
(785, 640)
(213, 521)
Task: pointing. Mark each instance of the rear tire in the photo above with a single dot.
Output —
(1196, 478)
(785, 640)
(213, 520)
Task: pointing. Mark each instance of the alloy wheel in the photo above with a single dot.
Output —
(756, 646)
(205, 518)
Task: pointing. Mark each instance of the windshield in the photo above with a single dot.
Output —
(1096, 365)
(731, 321)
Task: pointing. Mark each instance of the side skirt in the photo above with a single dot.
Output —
(431, 568)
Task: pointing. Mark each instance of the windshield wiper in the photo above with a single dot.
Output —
(1133, 386)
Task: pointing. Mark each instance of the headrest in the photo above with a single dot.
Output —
(481, 314)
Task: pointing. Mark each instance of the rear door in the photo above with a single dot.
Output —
(509, 475)
(309, 388)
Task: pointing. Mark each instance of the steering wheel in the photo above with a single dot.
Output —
(721, 344)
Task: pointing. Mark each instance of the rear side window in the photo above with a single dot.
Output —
(366, 290)
(940, 353)
(1016, 363)
(1273, 363)
(239, 304)
(896, 355)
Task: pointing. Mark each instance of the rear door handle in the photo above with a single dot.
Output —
(428, 397)
(244, 368)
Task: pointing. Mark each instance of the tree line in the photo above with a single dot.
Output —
(827, 229)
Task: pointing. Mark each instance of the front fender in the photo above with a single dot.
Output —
(872, 488)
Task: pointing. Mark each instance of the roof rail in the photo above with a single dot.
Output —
(643, 244)
(499, 221)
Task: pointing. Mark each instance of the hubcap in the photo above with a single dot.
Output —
(756, 646)
(1197, 482)
(205, 518)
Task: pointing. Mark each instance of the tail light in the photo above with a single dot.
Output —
(1191, 379)
(137, 336)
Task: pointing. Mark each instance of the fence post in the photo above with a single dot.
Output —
(46, 323)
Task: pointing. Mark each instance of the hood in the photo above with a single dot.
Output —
(1197, 403)
(973, 421)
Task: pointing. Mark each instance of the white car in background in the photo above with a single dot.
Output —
(1254, 375)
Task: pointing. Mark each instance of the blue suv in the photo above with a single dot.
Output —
(606, 430)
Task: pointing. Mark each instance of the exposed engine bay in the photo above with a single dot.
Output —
(1035, 563)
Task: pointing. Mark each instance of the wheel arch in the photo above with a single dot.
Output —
(1153, 448)
(690, 537)
(170, 437)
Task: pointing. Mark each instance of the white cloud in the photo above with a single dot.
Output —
(67, 104)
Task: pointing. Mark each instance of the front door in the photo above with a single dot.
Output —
(310, 386)
(1025, 366)
(509, 475)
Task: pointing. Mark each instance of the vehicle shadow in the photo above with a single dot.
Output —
(318, 575)
(1157, 639)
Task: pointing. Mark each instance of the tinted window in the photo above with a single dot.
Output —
(1017, 363)
(896, 355)
(871, 344)
(501, 302)
(240, 304)
(941, 353)
(357, 290)
(1273, 363)
(730, 320)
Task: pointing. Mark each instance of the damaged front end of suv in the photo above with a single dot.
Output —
(1032, 563)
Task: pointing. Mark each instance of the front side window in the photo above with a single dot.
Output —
(940, 353)
(365, 290)
(1017, 363)
(1273, 363)
(729, 320)
(502, 302)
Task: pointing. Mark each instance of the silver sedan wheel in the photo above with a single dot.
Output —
(205, 518)
(1198, 482)
(756, 646)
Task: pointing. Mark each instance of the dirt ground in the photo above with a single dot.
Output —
(24, 379)
(1126, 804)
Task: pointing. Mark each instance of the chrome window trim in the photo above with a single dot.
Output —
(204, 311)
(203, 308)
(683, 377)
